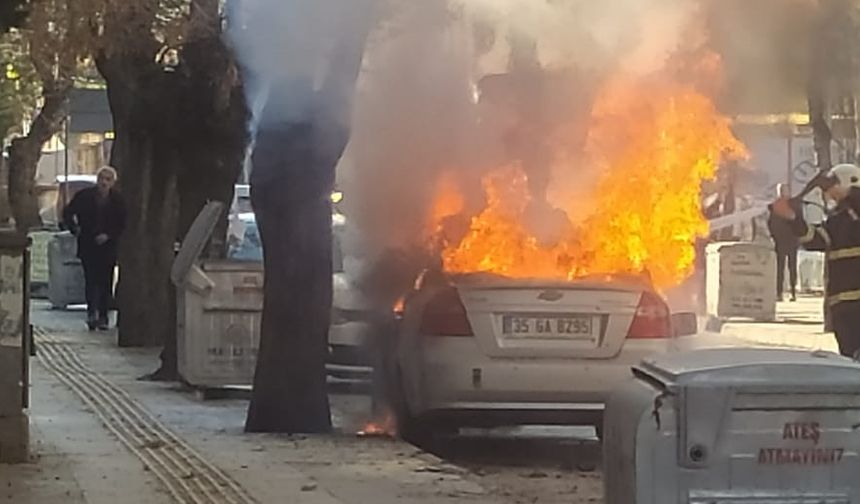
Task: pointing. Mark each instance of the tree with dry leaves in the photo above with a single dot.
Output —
(50, 36)
(179, 117)
(19, 88)
(833, 75)
(832, 82)
(19, 85)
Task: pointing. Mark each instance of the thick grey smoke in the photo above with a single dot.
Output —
(590, 35)
(765, 46)
(290, 50)
(415, 117)
(464, 86)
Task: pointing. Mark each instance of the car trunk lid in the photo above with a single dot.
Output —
(530, 319)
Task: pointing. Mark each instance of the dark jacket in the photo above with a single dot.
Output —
(781, 230)
(839, 238)
(84, 217)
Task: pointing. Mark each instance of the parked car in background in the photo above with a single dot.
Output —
(481, 350)
(54, 197)
(242, 199)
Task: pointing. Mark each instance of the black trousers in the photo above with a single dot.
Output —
(98, 273)
(845, 317)
(783, 254)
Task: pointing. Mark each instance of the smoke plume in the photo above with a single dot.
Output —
(459, 87)
(290, 51)
(462, 86)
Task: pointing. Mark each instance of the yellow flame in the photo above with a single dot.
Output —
(653, 141)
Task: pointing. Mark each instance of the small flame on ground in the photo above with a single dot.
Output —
(384, 427)
(399, 306)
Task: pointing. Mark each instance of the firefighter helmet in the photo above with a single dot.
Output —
(846, 175)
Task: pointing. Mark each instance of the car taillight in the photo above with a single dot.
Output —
(445, 315)
(652, 319)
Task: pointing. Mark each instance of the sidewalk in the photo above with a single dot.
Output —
(150, 443)
(100, 436)
(74, 459)
(799, 325)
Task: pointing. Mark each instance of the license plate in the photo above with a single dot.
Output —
(552, 326)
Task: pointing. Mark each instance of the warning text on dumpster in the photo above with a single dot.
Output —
(745, 285)
(231, 351)
(808, 433)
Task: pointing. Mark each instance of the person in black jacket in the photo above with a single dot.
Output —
(785, 243)
(96, 216)
(839, 238)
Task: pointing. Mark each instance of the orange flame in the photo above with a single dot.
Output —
(448, 203)
(653, 141)
(399, 306)
(384, 427)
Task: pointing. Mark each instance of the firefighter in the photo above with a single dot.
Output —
(839, 238)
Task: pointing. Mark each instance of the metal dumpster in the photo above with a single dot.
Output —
(66, 284)
(39, 242)
(810, 269)
(740, 280)
(219, 308)
(732, 426)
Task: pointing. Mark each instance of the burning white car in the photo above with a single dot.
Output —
(485, 351)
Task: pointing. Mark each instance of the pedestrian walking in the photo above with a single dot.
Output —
(96, 216)
(784, 241)
(839, 238)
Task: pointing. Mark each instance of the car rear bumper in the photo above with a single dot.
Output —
(347, 344)
(351, 334)
(489, 415)
(454, 376)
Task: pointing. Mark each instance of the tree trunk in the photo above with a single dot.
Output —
(291, 195)
(195, 187)
(148, 184)
(24, 157)
(819, 110)
(291, 184)
(821, 134)
(145, 160)
(215, 136)
(211, 147)
(146, 105)
(5, 209)
(180, 137)
(25, 153)
(210, 172)
(855, 128)
(817, 85)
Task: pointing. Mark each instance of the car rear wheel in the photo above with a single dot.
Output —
(415, 430)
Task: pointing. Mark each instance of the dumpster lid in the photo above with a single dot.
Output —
(738, 246)
(753, 368)
(195, 241)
